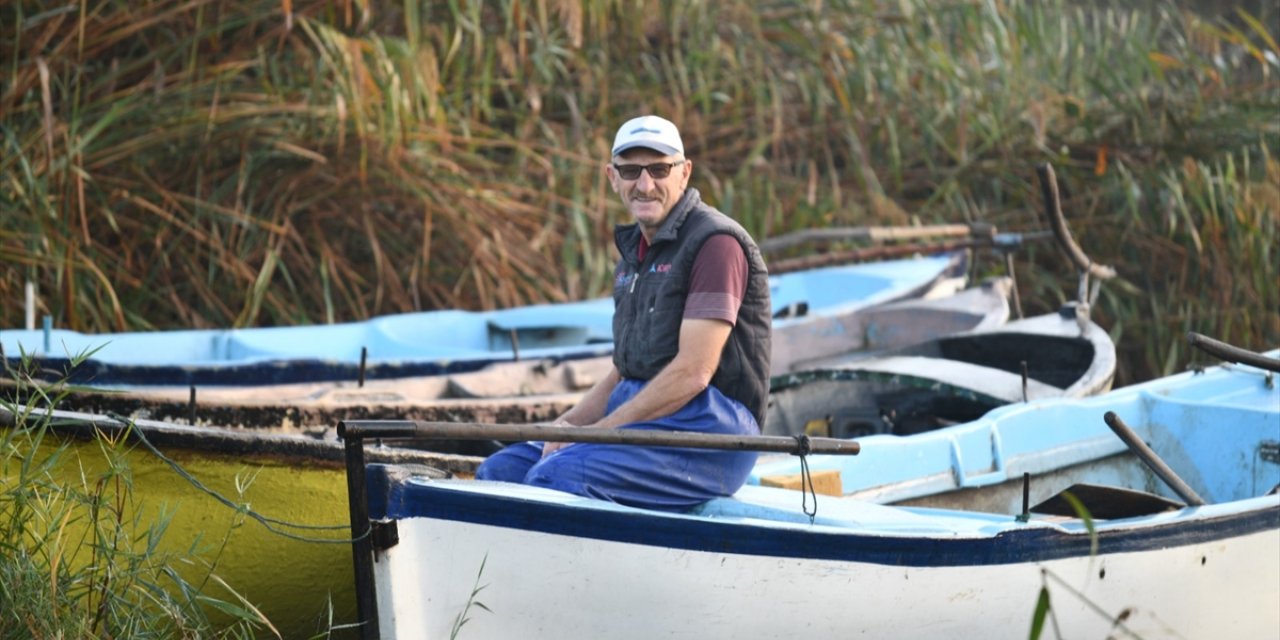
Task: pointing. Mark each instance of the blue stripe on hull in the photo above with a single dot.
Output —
(1033, 544)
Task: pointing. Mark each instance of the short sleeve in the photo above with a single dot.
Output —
(718, 281)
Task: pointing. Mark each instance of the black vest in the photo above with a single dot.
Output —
(649, 300)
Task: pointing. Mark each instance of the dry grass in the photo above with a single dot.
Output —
(214, 163)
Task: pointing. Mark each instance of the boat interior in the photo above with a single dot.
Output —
(856, 403)
(1226, 449)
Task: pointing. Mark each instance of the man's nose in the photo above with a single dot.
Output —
(645, 181)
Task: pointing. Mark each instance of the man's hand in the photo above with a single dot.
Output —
(701, 341)
(549, 448)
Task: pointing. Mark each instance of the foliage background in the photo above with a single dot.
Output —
(208, 163)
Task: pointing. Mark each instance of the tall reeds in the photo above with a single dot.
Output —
(214, 163)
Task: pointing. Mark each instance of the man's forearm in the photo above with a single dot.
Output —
(594, 402)
(665, 394)
(687, 375)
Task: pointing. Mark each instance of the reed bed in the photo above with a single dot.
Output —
(212, 163)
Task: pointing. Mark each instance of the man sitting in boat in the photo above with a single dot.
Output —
(691, 332)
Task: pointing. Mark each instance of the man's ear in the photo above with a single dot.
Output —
(609, 175)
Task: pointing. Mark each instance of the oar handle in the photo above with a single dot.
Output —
(1224, 351)
(1153, 461)
(866, 254)
(416, 429)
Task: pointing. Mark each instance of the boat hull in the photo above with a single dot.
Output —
(240, 550)
(293, 480)
(773, 563)
(587, 580)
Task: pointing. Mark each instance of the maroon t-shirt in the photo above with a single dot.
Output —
(718, 281)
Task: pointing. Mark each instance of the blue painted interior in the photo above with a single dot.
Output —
(837, 289)
(1208, 426)
(424, 343)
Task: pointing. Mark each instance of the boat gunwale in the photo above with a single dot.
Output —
(243, 446)
(994, 544)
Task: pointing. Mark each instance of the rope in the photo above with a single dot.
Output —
(803, 448)
(270, 523)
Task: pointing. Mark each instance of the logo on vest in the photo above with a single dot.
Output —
(660, 268)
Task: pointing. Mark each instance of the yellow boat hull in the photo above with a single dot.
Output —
(300, 579)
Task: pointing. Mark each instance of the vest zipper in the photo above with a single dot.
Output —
(629, 303)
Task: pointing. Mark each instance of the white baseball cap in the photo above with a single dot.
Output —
(650, 132)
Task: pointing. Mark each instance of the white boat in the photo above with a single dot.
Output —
(519, 562)
(943, 380)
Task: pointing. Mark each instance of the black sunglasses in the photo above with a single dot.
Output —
(657, 170)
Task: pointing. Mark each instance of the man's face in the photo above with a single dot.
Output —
(649, 199)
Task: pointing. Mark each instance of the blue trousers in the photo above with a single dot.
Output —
(665, 478)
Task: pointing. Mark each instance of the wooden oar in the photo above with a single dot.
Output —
(1224, 351)
(874, 234)
(977, 237)
(1153, 461)
(409, 429)
(1003, 242)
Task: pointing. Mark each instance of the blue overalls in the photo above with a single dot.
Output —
(670, 479)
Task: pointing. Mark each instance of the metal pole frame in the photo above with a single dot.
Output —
(361, 538)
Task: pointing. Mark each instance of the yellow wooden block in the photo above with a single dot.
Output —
(826, 482)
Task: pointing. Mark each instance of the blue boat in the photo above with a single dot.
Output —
(1038, 510)
(426, 343)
